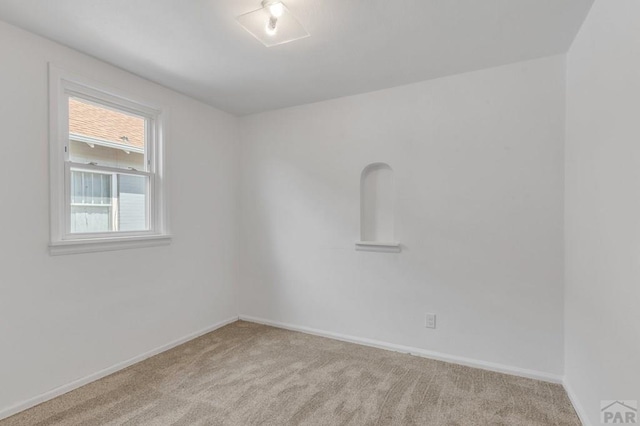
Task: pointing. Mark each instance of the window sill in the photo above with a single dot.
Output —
(107, 244)
(377, 246)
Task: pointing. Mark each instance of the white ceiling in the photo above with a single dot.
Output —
(356, 46)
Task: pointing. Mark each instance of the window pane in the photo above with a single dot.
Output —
(88, 218)
(105, 136)
(91, 209)
(132, 203)
(90, 188)
(108, 202)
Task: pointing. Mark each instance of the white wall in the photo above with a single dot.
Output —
(65, 317)
(478, 164)
(603, 208)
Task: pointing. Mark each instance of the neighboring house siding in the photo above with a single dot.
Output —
(83, 153)
(132, 205)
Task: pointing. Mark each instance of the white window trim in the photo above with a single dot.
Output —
(62, 83)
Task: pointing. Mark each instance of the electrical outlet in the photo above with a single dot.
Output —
(430, 321)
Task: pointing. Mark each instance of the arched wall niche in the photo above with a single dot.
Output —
(377, 194)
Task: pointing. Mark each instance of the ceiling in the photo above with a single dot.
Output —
(197, 47)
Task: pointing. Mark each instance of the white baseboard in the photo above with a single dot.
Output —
(582, 414)
(14, 409)
(500, 368)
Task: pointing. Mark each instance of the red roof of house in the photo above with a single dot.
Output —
(101, 123)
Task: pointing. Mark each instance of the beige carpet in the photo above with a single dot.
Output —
(249, 374)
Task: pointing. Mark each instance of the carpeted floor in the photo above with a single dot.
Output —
(249, 374)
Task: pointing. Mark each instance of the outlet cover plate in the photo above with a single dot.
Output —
(430, 321)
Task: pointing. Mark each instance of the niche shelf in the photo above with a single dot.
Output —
(377, 193)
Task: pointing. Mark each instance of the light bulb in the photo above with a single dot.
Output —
(276, 9)
(271, 27)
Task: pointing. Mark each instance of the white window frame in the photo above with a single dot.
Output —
(63, 84)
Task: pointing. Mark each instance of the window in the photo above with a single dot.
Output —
(106, 169)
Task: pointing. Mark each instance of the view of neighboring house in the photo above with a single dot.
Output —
(106, 201)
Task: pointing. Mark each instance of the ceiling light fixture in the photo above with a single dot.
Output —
(275, 9)
(273, 24)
